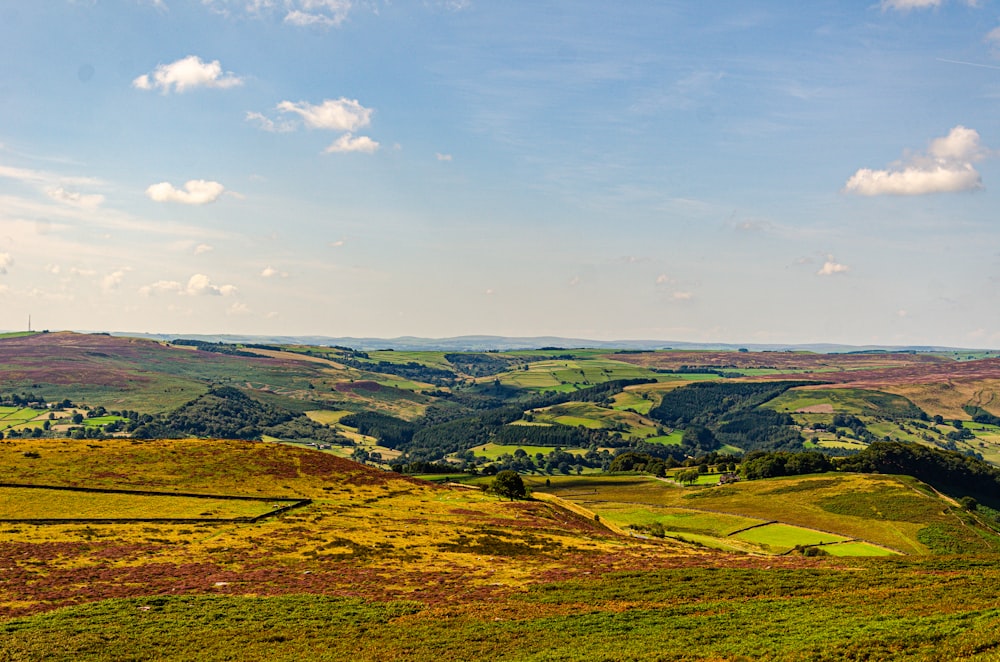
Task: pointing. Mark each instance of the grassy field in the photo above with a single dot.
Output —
(25, 503)
(493, 451)
(589, 415)
(886, 511)
(382, 566)
(570, 374)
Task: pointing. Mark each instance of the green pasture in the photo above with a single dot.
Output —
(634, 401)
(570, 375)
(493, 451)
(854, 548)
(589, 415)
(35, 503)
(16, 417)
(101, 421)
(841, 401)
(327, 416)
(884, 510)
(780, 538)
(672, 439)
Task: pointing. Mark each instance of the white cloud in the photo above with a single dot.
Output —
(832, 267)
(340, 115)
(6, 262)
(90, 201)
(271, 272)
(664, 279)
(683, 296)
(195, 192)
(442, 157)
(267, 124)
(907, 5)
(113, 280)
(161, 287)
(946, 168)
(239, 308)
(197, 285)
(85, 273)
(324, 13)
(348, 143)
(53, 269)
(201, 249)
(186, 74)
(489, 292)
(338, 243)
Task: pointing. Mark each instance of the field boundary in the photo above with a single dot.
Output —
(290, 503)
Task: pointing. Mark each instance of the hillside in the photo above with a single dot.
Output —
(379, 566)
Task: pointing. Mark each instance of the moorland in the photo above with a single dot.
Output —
(190, 499)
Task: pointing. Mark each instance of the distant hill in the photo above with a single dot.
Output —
(485, 343)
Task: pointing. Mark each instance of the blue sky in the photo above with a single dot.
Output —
(729, 171)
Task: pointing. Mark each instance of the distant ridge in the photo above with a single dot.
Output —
(484, 343)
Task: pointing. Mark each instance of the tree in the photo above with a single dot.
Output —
(509, 484)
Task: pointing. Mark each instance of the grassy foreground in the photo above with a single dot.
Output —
(384, 567)
(930, 611)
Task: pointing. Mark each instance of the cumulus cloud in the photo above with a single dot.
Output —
(113, 280)
(300, 13)
(239, 308)
(343, 115)
(442, 157)
(683, 296)
(201, 249)
(348, 143)
(335, 115)
(831, 268)
(947, 167)
(197, 285)
(338, 243)
(186, 74)
(664, 279)
(195, 192)
(6, 262)
(271, 272)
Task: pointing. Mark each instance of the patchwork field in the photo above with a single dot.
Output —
(896, 514)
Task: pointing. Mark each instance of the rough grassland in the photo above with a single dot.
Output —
(383, 567)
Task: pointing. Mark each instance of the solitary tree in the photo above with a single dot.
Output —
(509, 484)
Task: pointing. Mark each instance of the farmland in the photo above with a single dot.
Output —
(375, 563)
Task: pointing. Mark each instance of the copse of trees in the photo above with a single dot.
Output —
(390, 431)
(760, 464)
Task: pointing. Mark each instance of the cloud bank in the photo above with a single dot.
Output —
(947, 167)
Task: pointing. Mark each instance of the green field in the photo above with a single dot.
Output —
(589, 415)
(886, 511)
(493, 451)
(570, 375)
(24, 503)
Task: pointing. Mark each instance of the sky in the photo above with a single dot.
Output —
(735, 171)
